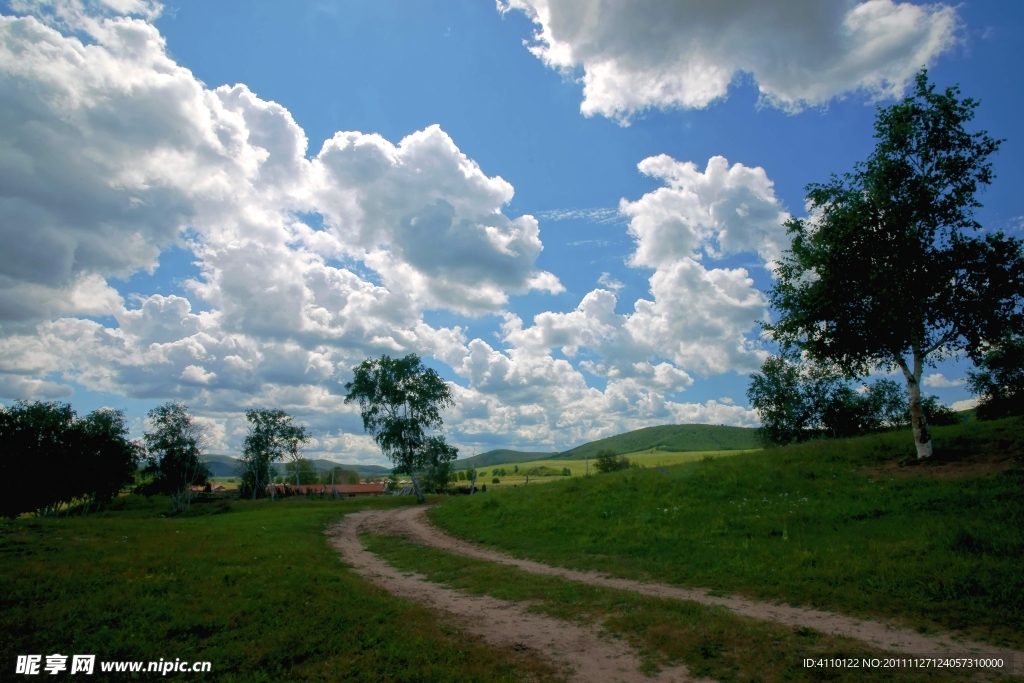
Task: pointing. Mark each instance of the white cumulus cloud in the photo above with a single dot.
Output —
(637, 54)
(965, 404)
(698, 320)
(112, 152)
(937, 380)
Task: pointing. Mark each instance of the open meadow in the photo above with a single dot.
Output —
(252, 587)
(516, 472)
(856, 526)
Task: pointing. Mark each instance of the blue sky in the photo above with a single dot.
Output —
(172, 239)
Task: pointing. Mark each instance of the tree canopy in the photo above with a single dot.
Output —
(175, 448)
(999, 379)
(271, 437)
(303, 471)
(798, 401)
(885, 271)
(400, 399)
(608, 461)
(54, 461)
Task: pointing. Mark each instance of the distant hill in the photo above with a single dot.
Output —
(361, 470)
(500, 456)
(673, 438)
(227, 466)
(223, 465)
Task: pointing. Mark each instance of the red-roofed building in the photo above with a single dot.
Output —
(373, 489)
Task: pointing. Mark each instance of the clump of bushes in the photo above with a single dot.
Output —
(608, 461)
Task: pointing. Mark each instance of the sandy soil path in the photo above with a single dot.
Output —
(580, 652)
(412, 522)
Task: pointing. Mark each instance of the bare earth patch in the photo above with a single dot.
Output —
(581, 652)
(976, 465)
(412, 522)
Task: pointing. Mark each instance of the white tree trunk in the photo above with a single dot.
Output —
(918, 420)
(416, 485)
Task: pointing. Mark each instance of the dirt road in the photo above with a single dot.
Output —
(412, 522)
(580, 652)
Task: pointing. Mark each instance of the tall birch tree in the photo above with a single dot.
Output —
(272, 437)
(399, 400)
(175, 448)
(890, 270)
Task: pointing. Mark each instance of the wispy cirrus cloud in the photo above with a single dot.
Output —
(602, 216)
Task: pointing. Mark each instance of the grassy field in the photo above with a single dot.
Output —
(710, 641)
(578, 468)
(671, 438)
(253, 588)
(834, 524)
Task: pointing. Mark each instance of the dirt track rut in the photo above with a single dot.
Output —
(582, 653)
(412, 522)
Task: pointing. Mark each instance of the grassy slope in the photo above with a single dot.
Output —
(256, 591)
(802, 524)
(670, 438)
(677, 438)
(650, 458)
(501, 456)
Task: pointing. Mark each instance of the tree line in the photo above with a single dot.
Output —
(309, 473)
(89, 460)
(55, 462)
(95, 460)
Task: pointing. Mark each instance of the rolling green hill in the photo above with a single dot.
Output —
(223, 465)
(228, 466)
(673, 438)
(500, 456)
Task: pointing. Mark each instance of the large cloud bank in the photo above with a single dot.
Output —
(112, 152)
(637, 54)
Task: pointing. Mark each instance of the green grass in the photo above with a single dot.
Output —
(804, 525)
(577, 468)
(252, 587)
(672, 438)
(710, 641)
